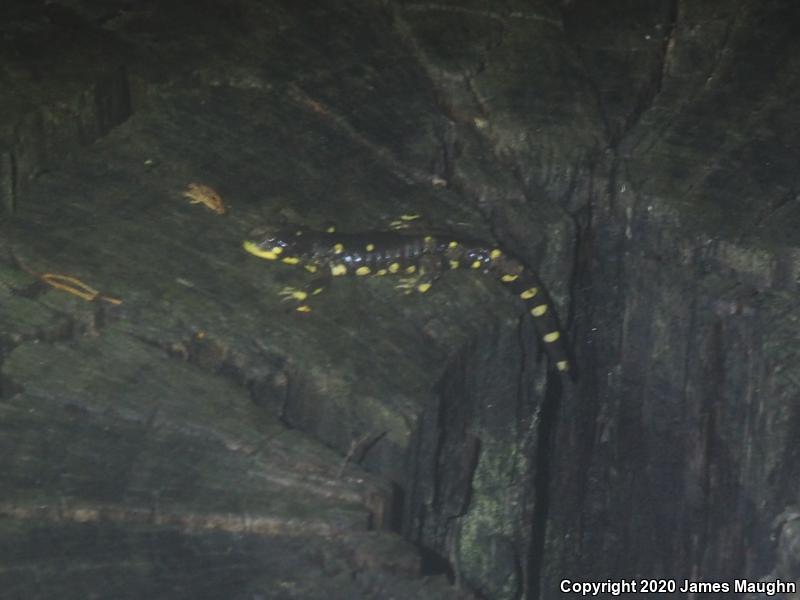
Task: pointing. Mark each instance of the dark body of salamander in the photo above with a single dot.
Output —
(423, 257)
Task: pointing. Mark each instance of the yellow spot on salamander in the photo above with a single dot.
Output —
(476, 264)
(303, 308)
(495, 254)
(380, 272)
(331, 229)
(538, 311)
(529, 293)
(509, 277)
(337, 270)
(338, 248)
(562, 365)
(551, 337)
(255, 250)
(424, 287)
(428, 239)
(291, 260)
(299, 295)
(394, 267)
(363, 271)
(370, 247)
(317, 291)
(277, 250)
(310, 268)
(452, 244)
(409, 217)
(411, 269)
(454, 264)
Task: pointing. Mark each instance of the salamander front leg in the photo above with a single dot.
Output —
(300, 296)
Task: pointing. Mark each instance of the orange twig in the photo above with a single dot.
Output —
(76, 287)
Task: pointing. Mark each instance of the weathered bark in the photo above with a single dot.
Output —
(639, 155)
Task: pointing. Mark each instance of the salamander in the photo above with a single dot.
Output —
(419, 258)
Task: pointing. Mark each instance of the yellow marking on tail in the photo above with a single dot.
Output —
(508, 278)
(363, 271)
(538, 311)
(424, 287)
(317, 291)
(529, 293)
(551, 337)
(291, 260)
(303, 308)
(380, 272)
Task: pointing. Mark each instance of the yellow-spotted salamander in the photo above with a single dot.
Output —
(421, 259)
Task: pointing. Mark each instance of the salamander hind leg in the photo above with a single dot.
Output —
(417, 281)
(421, 277)
(406, 284)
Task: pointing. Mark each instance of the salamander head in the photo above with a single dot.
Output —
(273, 243)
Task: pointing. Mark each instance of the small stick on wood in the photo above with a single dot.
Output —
(362, 444)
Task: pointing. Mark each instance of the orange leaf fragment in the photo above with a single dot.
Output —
(203, 194)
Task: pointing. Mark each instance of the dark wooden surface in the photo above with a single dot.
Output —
(200, 440)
